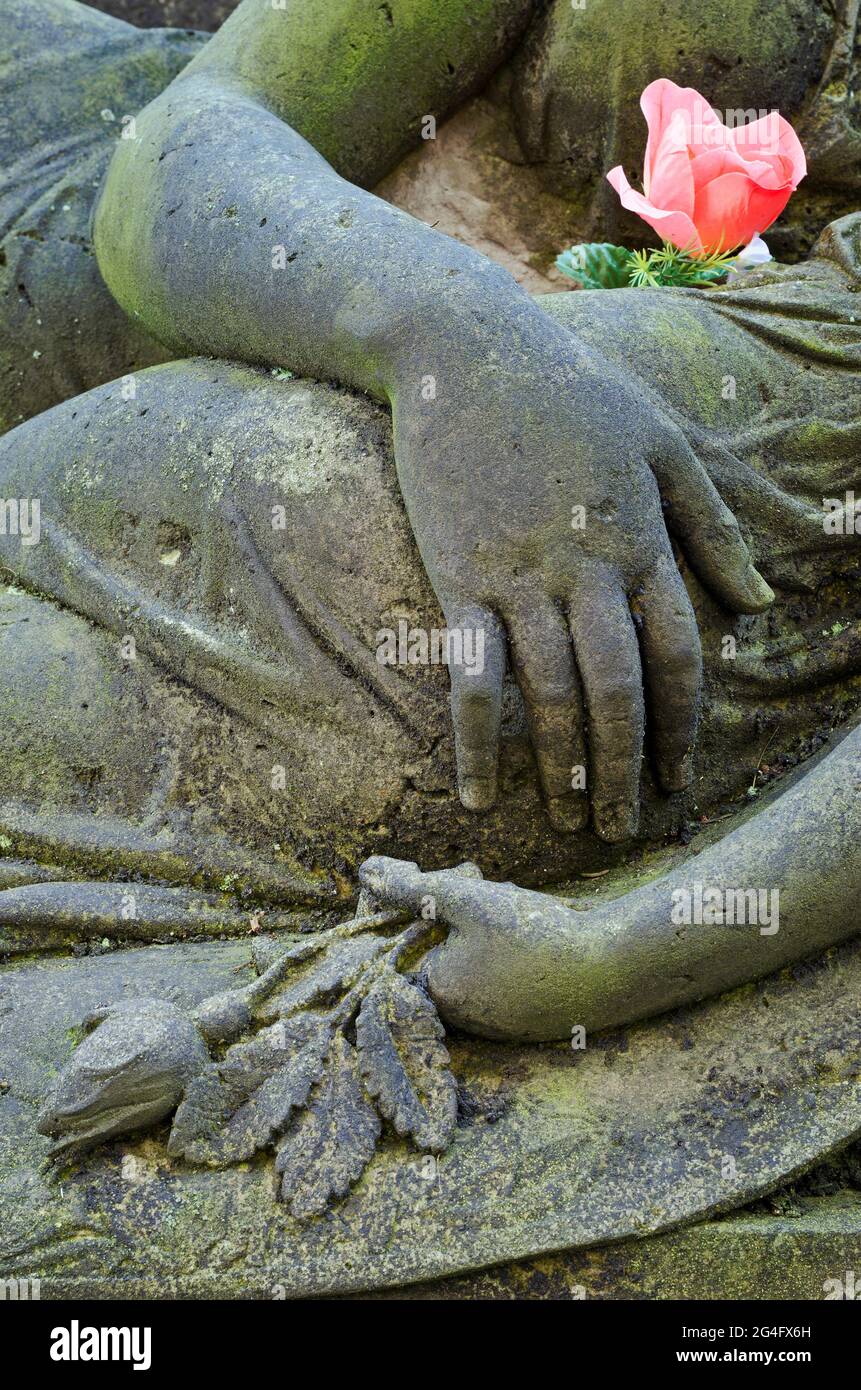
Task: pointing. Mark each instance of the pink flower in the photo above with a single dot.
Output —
(708, 186)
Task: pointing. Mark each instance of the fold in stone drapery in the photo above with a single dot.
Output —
(54, 915)
(234, 631)
(156, 530)
(77, 846)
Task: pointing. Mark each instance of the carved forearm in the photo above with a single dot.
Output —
(225, 233)
(357, 78)
(518, 964)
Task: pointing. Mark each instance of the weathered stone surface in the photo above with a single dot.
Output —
(181, 14)
(804, 1255)
(555, 1148)
(59, 326)
(472, 182)
(518, 964)
(161, 780)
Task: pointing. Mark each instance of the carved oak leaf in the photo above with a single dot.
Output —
(240, 1104)
(329, 1145)
(325, 975)
(404, 1063)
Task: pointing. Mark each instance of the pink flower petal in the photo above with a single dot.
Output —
(731, 210)
(672, 184)
(766, 205)
(676, 227)
(708, 186)
(712, 163)
(772, 135)
(660, 103)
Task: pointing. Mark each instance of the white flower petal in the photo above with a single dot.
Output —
(755, 253)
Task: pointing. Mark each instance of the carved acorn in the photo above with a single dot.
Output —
(130, 1072)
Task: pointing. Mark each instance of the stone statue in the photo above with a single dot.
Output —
(272, 442)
